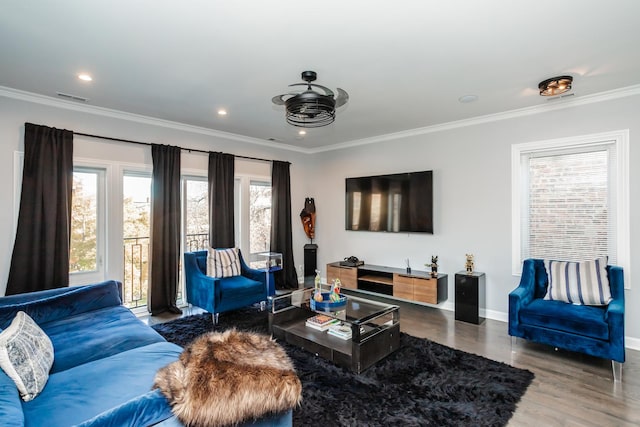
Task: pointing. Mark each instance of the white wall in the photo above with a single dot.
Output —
(472, 196)
(14, 113)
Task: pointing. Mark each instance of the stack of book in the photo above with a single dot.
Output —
(340, 330)
(321, 322)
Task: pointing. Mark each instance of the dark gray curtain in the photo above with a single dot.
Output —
(165, 229)
(40, 257)
(221, 208)
(281, 239)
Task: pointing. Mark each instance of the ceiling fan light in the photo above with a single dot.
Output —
(310, 108)
(555, 86)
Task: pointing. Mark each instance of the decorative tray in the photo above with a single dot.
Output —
(326, 304)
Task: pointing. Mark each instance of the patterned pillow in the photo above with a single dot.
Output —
(583, 283)
(26, 355)
(223, 263)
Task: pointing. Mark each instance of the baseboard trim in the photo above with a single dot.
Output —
(632, 343)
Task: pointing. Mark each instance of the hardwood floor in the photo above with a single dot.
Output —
(569, 389)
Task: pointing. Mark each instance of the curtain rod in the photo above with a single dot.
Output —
(191, 150)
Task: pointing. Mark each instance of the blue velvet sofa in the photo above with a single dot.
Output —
(105, 361)
(224, 294)
(593, 330)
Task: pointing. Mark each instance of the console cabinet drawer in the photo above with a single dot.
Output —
(403, 291)
(333, 273)
(348, 276)
(402, 279)
(402, 287)
(425, 290)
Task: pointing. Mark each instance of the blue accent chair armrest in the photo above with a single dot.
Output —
(217, 295)
(593, 330)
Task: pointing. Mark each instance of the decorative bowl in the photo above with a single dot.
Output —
(326, 304)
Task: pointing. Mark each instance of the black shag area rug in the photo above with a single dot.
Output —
(422, 384)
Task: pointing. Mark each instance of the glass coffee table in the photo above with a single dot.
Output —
(375, 329)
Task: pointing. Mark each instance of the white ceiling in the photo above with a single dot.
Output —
(404, 63)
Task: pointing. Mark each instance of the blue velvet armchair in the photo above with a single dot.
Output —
(594, 330)
(223, 294)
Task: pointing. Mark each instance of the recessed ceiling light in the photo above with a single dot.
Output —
(302, 132)
(85, 77)
(468, 98)
(222, 112)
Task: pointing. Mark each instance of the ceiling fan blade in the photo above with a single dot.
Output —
(327, 91)
(342, 98)
(299, 84)
(278, 99)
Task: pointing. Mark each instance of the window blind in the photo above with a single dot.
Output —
(569, 212)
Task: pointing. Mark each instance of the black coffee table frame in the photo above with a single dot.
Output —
(375, 329)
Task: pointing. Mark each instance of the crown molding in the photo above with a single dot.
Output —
(527, 111)
(138, 118)
(521, 112)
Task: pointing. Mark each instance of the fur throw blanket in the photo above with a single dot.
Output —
(230, 377)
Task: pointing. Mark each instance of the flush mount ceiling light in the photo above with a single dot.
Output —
(555, 86)
(310, 108)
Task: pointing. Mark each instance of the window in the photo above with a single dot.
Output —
(196, 213)
(570, 199)
(252, 216)
(136, 214)
(259, 216)
(87, 240)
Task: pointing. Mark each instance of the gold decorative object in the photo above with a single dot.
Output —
(469, 263)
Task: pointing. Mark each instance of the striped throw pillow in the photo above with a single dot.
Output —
(582, 283)
(223, 263)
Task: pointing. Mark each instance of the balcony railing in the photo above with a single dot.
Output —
(136, 271)
(136, 266)
(196, 242)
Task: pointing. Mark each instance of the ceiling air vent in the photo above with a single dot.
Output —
(72, 97)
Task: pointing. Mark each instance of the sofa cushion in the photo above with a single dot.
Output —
(10, 404)
(578, 282)
(588, 321)
(100, 333)
(26, 355)
(223, 263)
(239, 287)
(60, 303)
(103, 390)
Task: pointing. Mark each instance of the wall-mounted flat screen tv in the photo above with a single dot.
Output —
(401, 202)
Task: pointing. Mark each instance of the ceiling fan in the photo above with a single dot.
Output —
(311, 108)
